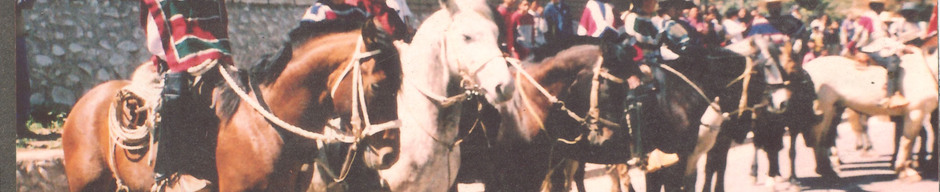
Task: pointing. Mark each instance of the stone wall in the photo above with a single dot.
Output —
(40, 171)
(75, 45)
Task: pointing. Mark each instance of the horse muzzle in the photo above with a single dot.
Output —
(382, 150)
(381, 157)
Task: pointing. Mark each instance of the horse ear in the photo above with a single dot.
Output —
(371, 31)
(450, 6)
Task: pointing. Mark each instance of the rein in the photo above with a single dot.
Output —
(591, 120)
(746, 77)
(358, 104)
(471, 89)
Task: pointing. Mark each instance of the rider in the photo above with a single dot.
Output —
(873, 41)
(677, 42)
(187, 39)
(643, 35)
(906, 31)
(682, 43)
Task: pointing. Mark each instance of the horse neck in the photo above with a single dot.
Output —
(301, 91)
(429, 74)
(529, 107)
(425, 125)
(917, 75)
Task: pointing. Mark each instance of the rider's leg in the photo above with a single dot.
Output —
(175, 99)
(892, 64)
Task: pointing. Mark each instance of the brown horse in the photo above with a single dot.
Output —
(317, 84)
(310, 89)
(87, 149)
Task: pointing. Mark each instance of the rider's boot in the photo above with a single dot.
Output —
(895, 99)
(659, 159)
(172, 145)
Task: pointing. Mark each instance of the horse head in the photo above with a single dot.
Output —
(370, 95)
(779, 93)
(470, 49)
(774, 64)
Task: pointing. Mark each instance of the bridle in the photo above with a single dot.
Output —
(361, 124)
(471, 89)
(591, 121)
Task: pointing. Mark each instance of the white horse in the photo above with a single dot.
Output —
(455, 45)
(840, 81)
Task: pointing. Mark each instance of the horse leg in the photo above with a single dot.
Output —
(620, 178)
(931, 166)
(792, 155)
(862, 140)
(708, 134)
(905, 145)
(716, 162)
(579, 177)
(654, 181)
(823, 139)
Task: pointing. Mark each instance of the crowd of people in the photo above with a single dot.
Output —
(530, 25)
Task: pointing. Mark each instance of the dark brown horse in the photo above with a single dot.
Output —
(537, 133)
(253, 153)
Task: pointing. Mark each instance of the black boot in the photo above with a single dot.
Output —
(172, 128)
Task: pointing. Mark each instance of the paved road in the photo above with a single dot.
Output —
(861, 171)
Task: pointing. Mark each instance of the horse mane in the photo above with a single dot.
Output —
(269, 67)
(562, 66)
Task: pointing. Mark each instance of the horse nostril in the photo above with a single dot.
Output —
(389, 158)
(499, 89)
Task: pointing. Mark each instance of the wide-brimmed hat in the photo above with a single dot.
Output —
(681, 4)
(909, 6)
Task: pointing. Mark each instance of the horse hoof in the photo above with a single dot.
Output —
(909, 175)
(771, 182)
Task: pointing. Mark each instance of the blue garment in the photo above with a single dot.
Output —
(685, 42)
(558, 17)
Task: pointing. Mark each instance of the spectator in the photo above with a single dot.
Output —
(734, 27)
(598, 20)
(557, 16)
(847, 32)
(695, 18)
(809, 56)
(523, 25)
(817, 26)
(714, 33)
(506, 9)
(906, 30)
(831, 38)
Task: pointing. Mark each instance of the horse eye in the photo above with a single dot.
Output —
(376, 86)
(466, 38)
